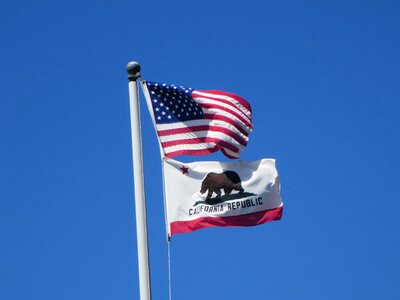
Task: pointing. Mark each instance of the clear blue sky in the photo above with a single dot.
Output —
(323, 82)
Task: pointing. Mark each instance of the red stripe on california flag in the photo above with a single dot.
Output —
(252, 219)
(236, 97)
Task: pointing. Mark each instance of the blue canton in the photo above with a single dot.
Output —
(173, 103)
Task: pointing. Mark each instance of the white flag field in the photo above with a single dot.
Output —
(208, 194)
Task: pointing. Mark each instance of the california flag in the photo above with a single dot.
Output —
(207, 194)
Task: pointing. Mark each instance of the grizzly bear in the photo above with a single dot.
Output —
(214, 182)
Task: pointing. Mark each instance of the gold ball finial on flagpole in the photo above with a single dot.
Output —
(133, 69)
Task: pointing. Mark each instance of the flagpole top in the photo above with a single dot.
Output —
(133, 69)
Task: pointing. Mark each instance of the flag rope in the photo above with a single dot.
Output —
(169, 269)
(167, 232)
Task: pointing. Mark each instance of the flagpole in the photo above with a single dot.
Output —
(133, 69)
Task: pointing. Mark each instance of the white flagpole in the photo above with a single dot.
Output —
(133, 69)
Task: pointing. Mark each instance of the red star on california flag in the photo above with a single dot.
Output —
(185, 170)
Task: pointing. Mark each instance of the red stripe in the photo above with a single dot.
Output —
(167, 132)
(252, 219)
(204, 99)
(226, 120)
(224, 109)
(192, 152)
(229, 155)
(200, 140)
(236, 97)
(192, 129)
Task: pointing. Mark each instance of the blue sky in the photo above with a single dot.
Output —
(323, 82)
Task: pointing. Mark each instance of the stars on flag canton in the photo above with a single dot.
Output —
(173, 103)
(198, 122)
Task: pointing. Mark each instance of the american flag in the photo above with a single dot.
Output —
(194, 122)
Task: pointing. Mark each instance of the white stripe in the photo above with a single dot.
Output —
(187, 136)
(216, 102)
(235, 120)
(202, 134)
(217, 123)
(183, 136)
(184, 124)
(227, 98)
(202, 122)
(234, 154)
(201, 146)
